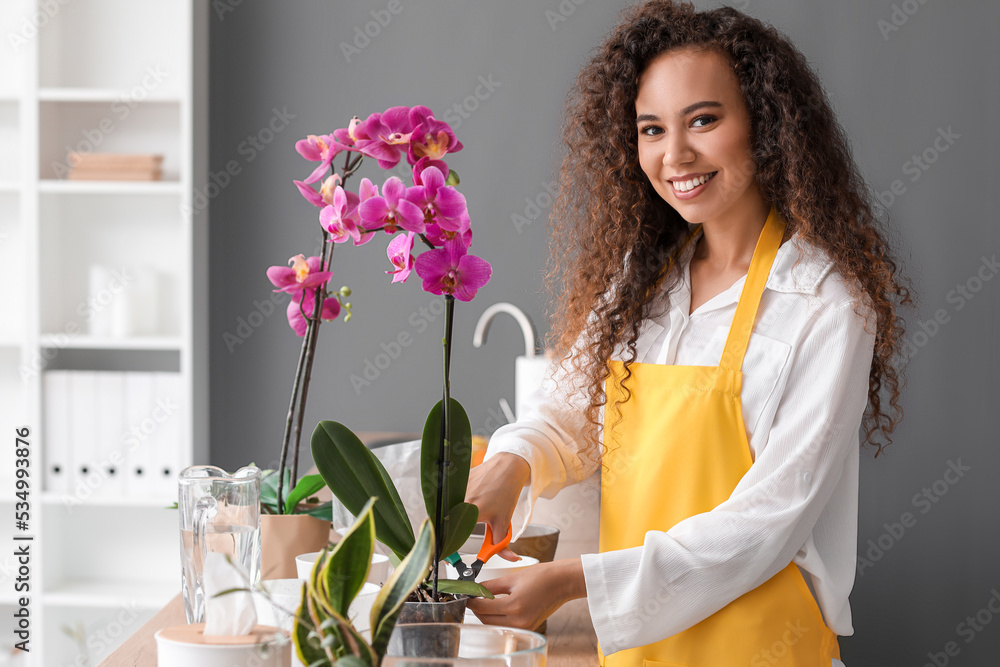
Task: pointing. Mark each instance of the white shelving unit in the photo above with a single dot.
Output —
(113, 76)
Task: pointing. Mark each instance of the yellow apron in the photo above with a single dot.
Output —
(679, 449)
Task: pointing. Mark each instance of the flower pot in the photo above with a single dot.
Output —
(285, 536)
(452, 611)
(188, 646)
(447, 644)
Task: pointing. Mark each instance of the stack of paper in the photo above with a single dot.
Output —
(115, 167)
(113, 434)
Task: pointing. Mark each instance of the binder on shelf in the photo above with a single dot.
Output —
(85, 479)
(168, 414)
(56, 438)
(137, 432)
(109, 396)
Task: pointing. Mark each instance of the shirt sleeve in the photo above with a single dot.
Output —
(551, 437)
(681, 576)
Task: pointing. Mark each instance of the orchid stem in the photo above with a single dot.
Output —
(444, 453)
(303, 370)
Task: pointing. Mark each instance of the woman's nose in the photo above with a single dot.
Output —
(677, 150)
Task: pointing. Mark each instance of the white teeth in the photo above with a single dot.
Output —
(685, 186)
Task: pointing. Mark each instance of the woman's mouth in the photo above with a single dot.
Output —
(692, 187)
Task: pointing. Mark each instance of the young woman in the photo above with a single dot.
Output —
(727, 319)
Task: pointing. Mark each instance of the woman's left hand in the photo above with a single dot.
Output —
(531, 595)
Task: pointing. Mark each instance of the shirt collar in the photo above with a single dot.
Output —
(785, 275)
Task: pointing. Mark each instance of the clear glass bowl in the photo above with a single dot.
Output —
(446, 644)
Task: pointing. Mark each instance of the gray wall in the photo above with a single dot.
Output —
(893, 91)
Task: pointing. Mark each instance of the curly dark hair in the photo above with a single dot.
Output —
(612, 233)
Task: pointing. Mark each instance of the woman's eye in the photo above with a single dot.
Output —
(646, 129)
(707, 119)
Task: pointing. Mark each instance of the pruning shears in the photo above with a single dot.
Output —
(490, 549)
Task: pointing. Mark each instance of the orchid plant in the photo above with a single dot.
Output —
(430, 210)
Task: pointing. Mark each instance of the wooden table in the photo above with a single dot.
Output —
(572, 642)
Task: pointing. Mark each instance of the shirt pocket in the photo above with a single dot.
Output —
(765, 370)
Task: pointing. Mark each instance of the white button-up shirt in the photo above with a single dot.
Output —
(805, 388)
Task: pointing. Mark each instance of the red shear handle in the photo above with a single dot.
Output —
(489, 549)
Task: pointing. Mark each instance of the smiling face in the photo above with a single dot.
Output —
(693, 125)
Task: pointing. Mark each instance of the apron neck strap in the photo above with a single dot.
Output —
(753, 289)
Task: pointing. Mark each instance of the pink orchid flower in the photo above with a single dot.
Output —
(392, 210)
(301, 274)
(441, 203)
(320, 148)
(387, 136)
(430, 137)
(325, 195)
(341, 218)
(425, 162)
(450, 270)
(349, 136)
(305, 301)
(463, 233)
(400, 253)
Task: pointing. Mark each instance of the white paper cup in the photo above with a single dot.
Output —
(377, 574)
(187, 646)
(286, 594)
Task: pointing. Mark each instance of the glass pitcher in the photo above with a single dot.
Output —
(218, 512)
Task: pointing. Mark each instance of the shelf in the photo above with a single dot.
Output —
(50, 498)
(169, 343)
(100, 95)
(55, 186)
(145, 594)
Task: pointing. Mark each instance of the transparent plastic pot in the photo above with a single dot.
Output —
(444, 644)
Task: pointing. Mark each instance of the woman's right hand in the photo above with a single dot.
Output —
(494, 487)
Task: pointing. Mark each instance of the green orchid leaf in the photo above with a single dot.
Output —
(324, 511)
(354, 475)
(404, 580)
(460, 455)
(461, 587)
(307, 486)
(460, 523)
(269, 489)
(347, 565)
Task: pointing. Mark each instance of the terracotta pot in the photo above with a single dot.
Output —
(285, 536)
